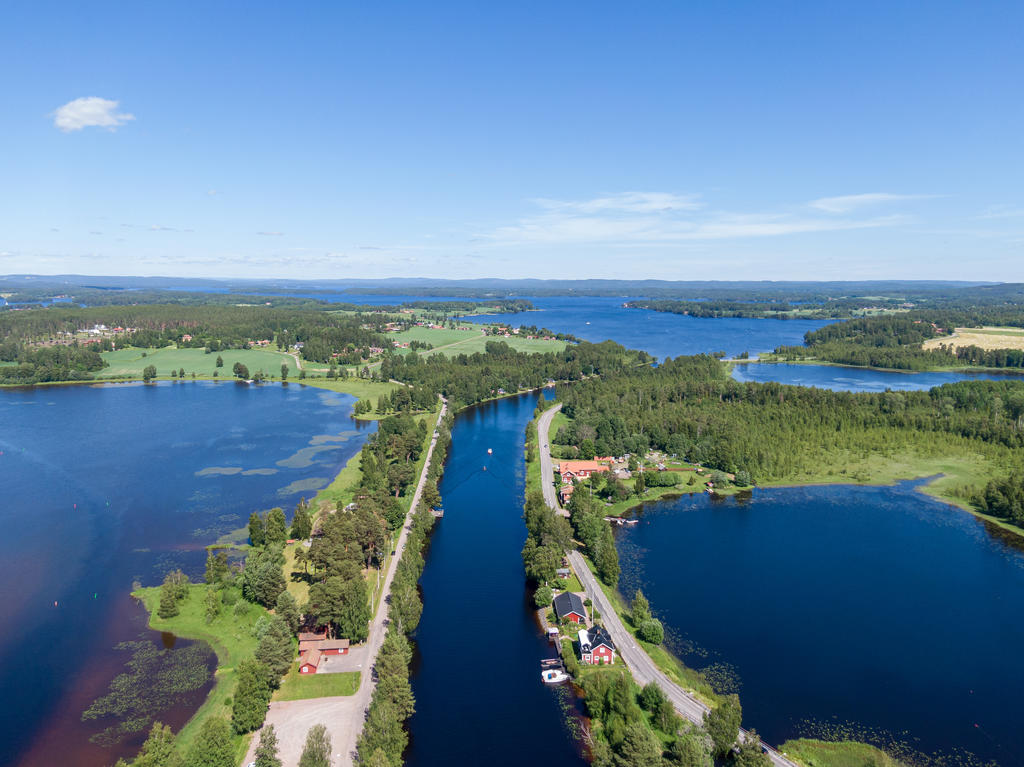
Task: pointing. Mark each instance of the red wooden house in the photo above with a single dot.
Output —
(310, 662)
(596, 647)
(569, 607)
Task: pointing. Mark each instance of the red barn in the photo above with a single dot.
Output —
(596, 647)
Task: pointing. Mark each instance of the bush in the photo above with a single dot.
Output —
(651, 631)
(543, 596)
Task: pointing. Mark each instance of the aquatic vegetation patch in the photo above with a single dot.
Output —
(155, 680)
(218, 471)
(304, 486)
(843, 737)
(305, 457)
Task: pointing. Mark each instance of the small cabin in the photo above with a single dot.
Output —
(569, 607)
(310, 662)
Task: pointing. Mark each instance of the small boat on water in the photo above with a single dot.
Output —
(553, 676)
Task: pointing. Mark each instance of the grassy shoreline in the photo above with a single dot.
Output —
(232, 639)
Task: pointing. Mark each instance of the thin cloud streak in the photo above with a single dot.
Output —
(629, 220)
(850, 202)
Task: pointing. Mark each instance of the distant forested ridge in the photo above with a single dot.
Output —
(691, 407)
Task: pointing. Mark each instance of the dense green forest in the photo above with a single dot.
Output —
(894, 341)
(776, 433)
(467, 379)
(833, 308)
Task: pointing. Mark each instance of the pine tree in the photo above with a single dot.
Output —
(276, 527)
(641, 609)
(275, 649)
(288, 610)
(302, 525)
(257, 530)
(168, 603)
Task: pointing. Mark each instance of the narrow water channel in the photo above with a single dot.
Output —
(479, 697)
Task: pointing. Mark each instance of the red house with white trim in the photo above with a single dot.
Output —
(310, 662)
(573, 470)
(596, 646)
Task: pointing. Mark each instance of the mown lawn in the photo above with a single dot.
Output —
(298, 686)
(231, 637)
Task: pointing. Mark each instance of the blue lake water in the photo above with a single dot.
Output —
(660, 334)
(105, 485)
(854, 379)
(871, 612)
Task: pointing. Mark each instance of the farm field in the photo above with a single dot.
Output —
(450, 342)
(985, 338)
(130, 362)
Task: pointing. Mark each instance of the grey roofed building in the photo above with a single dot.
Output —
(567, 604)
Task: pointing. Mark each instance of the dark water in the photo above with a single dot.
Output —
(479, 697)
(854, 379)
(876, 611)
(105, 485)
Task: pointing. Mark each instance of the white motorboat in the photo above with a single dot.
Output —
(553, 676)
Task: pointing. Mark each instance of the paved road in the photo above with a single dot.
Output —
(636, 659)
(344, 716)
(547, 470)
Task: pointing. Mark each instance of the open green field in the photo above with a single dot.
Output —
(130, 362)
(820, 753)
(231, 637)
(360, 388)
(432, 336)
(297, 686)
(450, 342)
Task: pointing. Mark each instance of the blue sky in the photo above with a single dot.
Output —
(739, 140)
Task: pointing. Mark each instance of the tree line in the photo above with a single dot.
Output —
(772, 432)
(468, 379)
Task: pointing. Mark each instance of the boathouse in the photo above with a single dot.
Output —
(569, 607)
(596, 646)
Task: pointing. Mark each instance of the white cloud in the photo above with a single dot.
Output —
(658, 219)
(90, 111)
(271, 234)
(627, 202)
(1003, 211)
(850, 202)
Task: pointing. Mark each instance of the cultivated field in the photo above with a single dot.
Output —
(451, 342)
(985, 338)
(130, 362)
